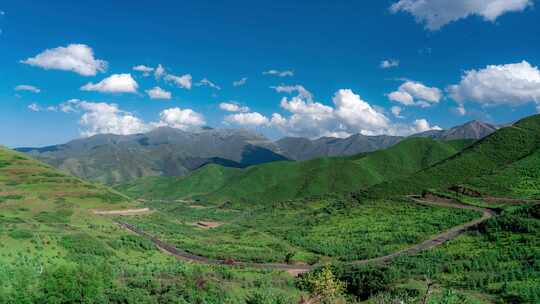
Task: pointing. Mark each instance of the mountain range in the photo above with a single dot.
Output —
(112, 159)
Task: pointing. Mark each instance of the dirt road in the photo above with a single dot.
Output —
(299, 269)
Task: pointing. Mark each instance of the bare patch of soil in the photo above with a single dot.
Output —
(125, 212)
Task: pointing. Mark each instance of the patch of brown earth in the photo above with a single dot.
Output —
(125, 212)
(207, 224)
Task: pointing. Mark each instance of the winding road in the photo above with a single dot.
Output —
(298, 269)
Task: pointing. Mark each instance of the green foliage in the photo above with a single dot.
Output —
(500, 149)
(322, 285)
(20, 234)
(82, 245)
(289, 180)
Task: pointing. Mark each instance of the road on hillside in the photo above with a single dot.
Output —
(299, 269)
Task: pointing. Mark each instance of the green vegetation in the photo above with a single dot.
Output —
(289, 180)
(500, 260)
(517, 180)
(330, 211)
(306, 231)
(53, 249)
(499, 150)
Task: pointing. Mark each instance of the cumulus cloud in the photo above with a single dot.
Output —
(29, 88)
(313, 119)
(103, 118)
(389, 63)
(78, 58)
(159, 72)
(349, 114)
(116, 83)
(396, 111)
(184, 119)
(412, 93)
(438, 13)
(233, 107)
(146, 70)
(278, 73)
(253, 119)
(184, 81)
(158, 93)
(512, 84)
(208, 83)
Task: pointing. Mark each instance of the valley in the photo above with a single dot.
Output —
(446, 218)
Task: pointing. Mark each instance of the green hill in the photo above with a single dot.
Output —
(508, 149)
(288, 180)
(517, 180)
(54, 249)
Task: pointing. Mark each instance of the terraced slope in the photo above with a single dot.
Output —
(289, 180)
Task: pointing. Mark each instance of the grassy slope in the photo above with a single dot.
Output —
(288, 180)
(49, 237)
(518, 180)
(207, 179)
(501, 149)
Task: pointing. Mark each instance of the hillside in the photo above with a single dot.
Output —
(112, 159)
(520, 179)
(55, 249)
(288, 180)
(506, 148)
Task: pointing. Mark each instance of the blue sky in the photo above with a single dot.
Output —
(80, 56)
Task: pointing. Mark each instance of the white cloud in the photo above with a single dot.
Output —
(70, 106)
(509, 84)
(184, 119)
(25, 87)
(396, 111)
(302, 92)
(37, 108)
(159, 72)
(116, 83)
(34, 107)
(349, 115)
(233, 107)
(78, 58)
(279, 73)
(389, 63)
(146, 70)
(104, 118)
(158, 93)
(460, 109)
(357, 114)
(412, 93)
(240, 82)
(184, 81)
(437, 13)
(206, 82)
(247, 119)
